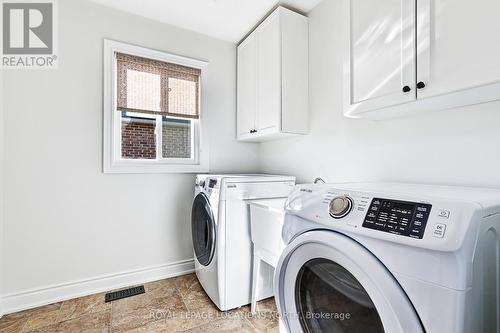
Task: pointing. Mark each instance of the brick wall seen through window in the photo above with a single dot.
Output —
(176, 138)
(139, 138)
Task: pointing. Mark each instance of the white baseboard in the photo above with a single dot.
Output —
(56, 293)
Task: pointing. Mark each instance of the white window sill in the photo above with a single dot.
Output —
(145, 167)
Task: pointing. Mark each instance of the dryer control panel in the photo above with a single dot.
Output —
(430, 217)
(398, 217)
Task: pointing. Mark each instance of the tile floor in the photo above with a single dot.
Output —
(172, 305)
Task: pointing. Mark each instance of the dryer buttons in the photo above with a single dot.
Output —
(439, 230)
(443, 213)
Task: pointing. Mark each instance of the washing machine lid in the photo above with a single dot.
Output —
(327, 282)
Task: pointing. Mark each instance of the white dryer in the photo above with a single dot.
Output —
(221, 234)
(393, 258)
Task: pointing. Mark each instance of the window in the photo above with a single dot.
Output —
(153, 111)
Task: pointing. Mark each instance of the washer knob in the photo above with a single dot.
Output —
(340, 206)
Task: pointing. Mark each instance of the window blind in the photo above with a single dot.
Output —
(157, 87)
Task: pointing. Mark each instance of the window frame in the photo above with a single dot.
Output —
(112, 158)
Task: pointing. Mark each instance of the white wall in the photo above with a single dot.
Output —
(459, 146)
(64, 219)
(1, 189)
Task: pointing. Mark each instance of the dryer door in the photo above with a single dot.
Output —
(327, 282)
(203, 229)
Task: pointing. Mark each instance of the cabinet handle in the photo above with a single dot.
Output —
(420, 85)
(406, 89)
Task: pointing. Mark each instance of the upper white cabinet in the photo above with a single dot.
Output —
(382, 54)
(273, 78)
(407, 56)
(247, 69)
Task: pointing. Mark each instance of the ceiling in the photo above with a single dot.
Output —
(228, 20)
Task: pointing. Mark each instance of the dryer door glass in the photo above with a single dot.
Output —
(330, 299)
(203, 229)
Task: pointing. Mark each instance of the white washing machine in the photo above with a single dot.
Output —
(393, 258)
(221, 234)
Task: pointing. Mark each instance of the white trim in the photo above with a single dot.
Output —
(56, 293)
(159, 136)
(114, 164)
(461, 98)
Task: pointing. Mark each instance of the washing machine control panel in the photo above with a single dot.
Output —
(398, 217)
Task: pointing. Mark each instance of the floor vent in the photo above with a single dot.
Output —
(124, 293)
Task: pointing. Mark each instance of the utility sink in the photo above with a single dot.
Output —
(266, 222)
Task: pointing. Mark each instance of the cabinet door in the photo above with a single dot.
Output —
(458, 48)
(269, 73)
(380, 67)
(247, 81)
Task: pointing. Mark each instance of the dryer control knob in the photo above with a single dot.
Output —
(340, 206)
